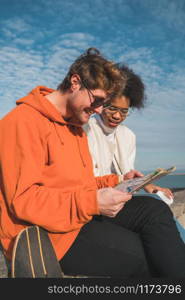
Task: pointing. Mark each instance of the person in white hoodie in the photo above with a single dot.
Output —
(112, 144)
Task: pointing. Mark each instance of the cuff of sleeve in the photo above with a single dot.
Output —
(89, 204)
(120, 178)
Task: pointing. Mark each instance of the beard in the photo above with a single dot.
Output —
(79, 116)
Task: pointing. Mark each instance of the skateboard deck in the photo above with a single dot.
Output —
(34, 256)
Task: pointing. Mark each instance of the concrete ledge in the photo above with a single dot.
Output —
(178, 206)
(3, 265)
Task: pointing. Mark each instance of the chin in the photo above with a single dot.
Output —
(81, 118)
(82, 121)
(85, 118)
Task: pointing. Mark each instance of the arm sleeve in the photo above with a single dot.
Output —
(27, 197)
(106, 181)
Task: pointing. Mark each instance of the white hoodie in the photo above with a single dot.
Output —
(113, 150)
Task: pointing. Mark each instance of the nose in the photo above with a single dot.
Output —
(98, 110)
(117, 115)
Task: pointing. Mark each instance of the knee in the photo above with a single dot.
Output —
(155, 206)
(159, 205)
(138, 266)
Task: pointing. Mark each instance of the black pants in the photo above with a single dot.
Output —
(141, 241)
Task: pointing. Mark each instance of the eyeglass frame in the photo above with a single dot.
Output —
(124, 112)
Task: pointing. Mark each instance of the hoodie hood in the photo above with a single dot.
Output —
(36, 99)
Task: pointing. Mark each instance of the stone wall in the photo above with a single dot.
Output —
(178, 206)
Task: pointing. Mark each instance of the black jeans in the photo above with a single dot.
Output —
(141, 241)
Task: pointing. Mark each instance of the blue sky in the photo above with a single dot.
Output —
(40, 39)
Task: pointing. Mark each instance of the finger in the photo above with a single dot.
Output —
(116, 210)
(122, 197)
(129, 175)
(171, 193)
(120, 207)
(168, 193)
(119, 193)
(138, 173)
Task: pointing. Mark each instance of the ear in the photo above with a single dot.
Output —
(75, 82)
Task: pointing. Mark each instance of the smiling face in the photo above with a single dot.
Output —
(82, 102)
(79, 105)
(112, 116)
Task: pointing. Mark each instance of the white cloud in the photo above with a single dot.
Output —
(21, 70)
(15, 26)
(23, 41)
(137, 54)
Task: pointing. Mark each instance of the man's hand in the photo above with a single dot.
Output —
(132, 174)
(111, 201)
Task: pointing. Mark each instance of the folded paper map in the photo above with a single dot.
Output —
(137, 183)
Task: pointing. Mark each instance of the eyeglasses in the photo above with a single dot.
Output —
(98, 101)
(124, 112)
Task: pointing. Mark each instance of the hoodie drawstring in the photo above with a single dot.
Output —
(59, 135)
(84, 164)
(77, 138)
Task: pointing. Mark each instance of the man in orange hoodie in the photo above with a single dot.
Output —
(46, 179)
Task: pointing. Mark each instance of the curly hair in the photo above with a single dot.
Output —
(96, 72)
(134, 89)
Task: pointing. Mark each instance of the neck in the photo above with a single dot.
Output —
(107, 130)
(59, 100)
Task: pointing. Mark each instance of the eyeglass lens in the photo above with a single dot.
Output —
(113, 109)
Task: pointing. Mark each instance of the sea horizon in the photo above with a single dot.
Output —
(171, 181)
(176, 172)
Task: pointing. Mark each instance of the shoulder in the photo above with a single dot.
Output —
(92, 123)
(123, 129)
(24, 118)
(19, 113)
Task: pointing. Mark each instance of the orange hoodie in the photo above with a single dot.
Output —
(46, 174)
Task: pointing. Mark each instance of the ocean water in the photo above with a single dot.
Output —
(174, 180)
(171, 181)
